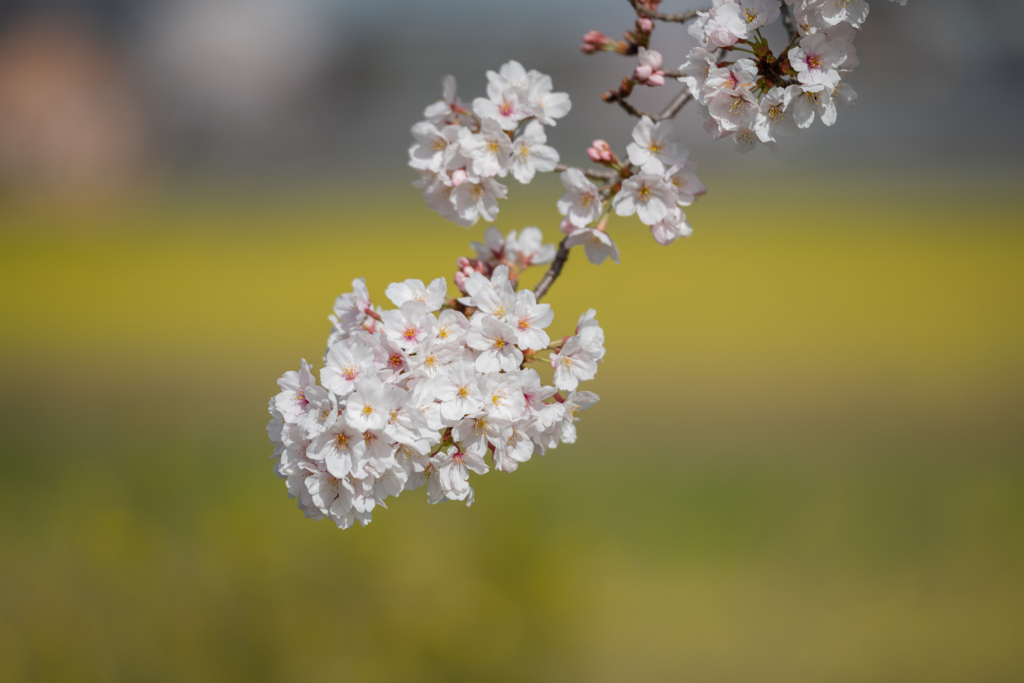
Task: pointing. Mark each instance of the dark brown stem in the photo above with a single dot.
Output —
(680, 18)
(613, 96)
(554, 271)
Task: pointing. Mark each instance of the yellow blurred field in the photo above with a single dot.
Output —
(806, 463)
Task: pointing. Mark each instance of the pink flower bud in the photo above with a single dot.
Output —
(596, 38)
(462, 262)
(594, 154)
(642, 73)
(460, 281)
(566, 226)
(458, 176)
(645, 24)
(657, 79)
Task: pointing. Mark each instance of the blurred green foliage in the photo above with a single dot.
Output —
(806, 464)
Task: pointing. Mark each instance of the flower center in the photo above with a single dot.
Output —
(814, 61)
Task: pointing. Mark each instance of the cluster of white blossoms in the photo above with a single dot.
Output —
(459, 151)
(421, 394)
(659, 181)
(765, 96)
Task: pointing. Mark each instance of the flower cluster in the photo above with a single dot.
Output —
(421, 394)
(655, 183)
(459, 151)
(764, 97)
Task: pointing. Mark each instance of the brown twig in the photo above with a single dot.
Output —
(674, 106)
(554, 271)
(593, 173)
(613, 96)
(679, 18)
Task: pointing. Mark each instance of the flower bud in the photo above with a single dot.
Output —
(458, 176)
(594, 41)
(645, 24)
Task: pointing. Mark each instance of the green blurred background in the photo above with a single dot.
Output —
(807, 461)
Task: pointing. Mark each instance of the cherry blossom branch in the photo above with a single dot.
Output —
(618, 97)
(788, 21)
(594, 173)
(554, 271)
(674, 106)
(679, 18)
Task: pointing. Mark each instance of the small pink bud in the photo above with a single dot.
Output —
(656, 79)
(594, 154)
(462, 262)
(458, 176)
(596, 38)
(566, 226)
(645, 24)
(460, 281)
(642, 73)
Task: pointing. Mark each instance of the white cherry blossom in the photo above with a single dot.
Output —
(654, 147)
(581, 201)
(529, 154)
(648, 195)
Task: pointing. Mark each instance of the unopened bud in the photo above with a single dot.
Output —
(458, 176)
(645, 24)
(460, 281)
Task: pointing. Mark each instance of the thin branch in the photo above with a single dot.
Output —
(594, 173)
(669, 73)
(613, 96)
(788, 21)
(681, 17)
(674, 106)
(554, 271)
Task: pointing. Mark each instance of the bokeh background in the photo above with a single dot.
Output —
(807, 461)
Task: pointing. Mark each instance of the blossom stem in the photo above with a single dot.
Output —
(594, 173)
(679, 18)
(789, 23)
(553, 271)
